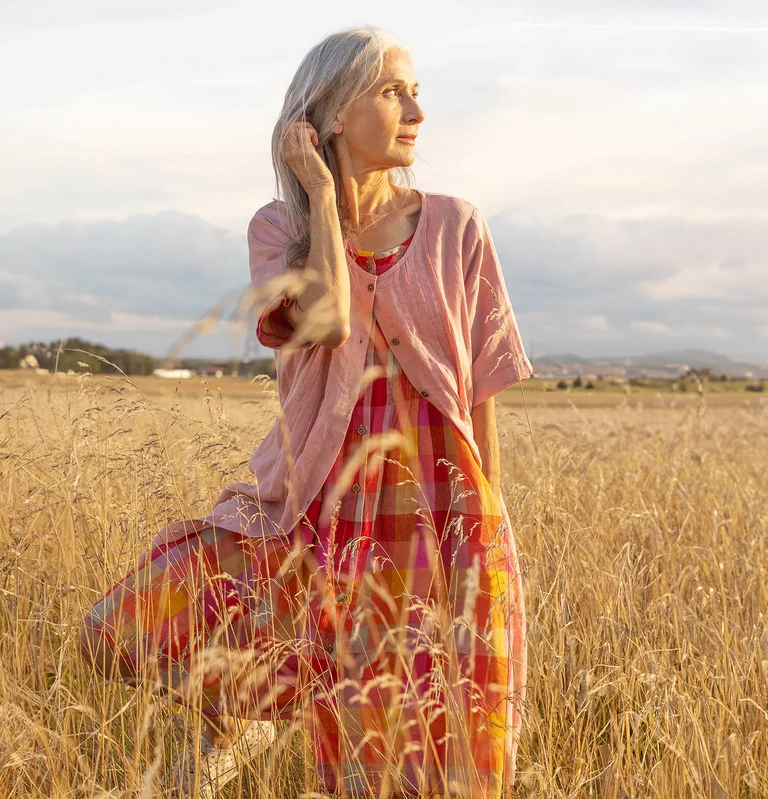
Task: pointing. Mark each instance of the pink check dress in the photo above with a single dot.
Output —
(405, 595)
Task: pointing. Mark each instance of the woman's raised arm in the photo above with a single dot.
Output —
(320, 311)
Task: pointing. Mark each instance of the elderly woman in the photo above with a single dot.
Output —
(366, 585)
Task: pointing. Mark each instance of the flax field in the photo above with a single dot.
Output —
(641, 522)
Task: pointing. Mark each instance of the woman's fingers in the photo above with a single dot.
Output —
(311, 171)
(293, 139)
(304, 128)
(313, 135)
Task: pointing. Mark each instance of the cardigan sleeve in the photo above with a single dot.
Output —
(266, 242)
(498, 358)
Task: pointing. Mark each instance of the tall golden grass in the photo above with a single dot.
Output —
(641, 530)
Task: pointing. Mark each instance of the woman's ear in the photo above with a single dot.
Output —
(337, 126)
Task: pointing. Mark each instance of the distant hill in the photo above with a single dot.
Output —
(665, 363)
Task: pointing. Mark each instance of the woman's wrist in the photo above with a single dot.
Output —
(322, 192)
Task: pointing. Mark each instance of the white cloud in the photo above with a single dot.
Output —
(85, 299)
(63, 323)
(596, 323)
(651, 328)
(711, 281)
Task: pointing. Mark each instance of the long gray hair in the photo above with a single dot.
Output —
(333, 74)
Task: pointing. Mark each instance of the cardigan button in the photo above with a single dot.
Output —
(395, 340)
(329, 649)
(370, 287)
(361, 430)
(425, 393)
(356, 487)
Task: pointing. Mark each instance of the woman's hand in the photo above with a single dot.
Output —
(304, 160)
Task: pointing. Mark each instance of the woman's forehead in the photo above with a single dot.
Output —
(400, 71)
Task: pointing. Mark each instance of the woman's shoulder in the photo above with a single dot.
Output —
(274, 210)
(452, 217)
(269, 220)
(448, 209)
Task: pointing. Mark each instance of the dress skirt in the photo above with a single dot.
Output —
(389, 623)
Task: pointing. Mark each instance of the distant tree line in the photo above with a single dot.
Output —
(58, 356)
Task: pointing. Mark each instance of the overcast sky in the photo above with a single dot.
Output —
(618, 149)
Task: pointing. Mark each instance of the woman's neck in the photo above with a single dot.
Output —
(367, 196)
(366, 192)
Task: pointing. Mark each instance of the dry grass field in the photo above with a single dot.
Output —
(642, 526)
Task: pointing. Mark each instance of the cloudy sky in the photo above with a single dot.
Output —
(618, 148)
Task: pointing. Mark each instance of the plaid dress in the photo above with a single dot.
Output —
(389, 623)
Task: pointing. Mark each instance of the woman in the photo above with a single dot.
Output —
(366, 586)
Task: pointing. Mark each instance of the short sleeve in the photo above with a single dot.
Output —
(498, 358)
(273, 329)
(266, 243)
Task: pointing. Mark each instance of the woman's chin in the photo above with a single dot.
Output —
(391, 160)
(400, 160)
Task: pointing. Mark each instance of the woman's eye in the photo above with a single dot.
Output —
(387, 91)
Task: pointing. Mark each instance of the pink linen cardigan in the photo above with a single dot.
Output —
(445, 310)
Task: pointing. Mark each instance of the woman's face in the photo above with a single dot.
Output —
(372, 124)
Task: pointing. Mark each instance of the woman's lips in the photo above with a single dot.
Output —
(409, 139)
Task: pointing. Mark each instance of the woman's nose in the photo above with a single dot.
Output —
(414, 114)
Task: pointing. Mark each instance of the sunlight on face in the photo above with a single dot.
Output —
(372, 124)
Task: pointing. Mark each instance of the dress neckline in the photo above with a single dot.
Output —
(413, 246)
(382, 253)
(380, 263)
